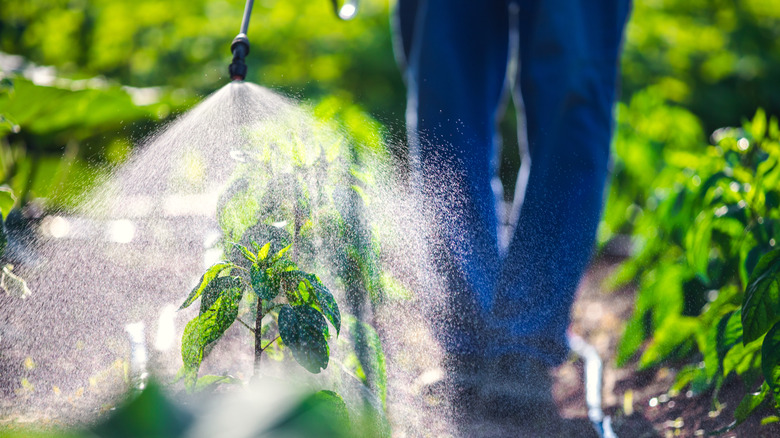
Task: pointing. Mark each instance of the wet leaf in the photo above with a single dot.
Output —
(770, 360)
(305, 331)
(261, 284)
(263, 252)
(761, 305)
(327, 303)
(218, 287)
(210, 275)
(205, 329)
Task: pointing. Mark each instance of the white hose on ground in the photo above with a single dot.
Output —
(593, 385)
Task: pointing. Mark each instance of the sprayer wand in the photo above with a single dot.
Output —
(240, 46)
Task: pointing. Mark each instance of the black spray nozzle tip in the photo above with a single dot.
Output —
(240, 48)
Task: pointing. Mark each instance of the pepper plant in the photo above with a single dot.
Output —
(297, 302)
(295, 204)
(708, 265)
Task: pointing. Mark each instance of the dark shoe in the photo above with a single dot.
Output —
(518, 389)
(461, 385)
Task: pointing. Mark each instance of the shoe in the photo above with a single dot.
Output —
(517, 389)
(460, 386)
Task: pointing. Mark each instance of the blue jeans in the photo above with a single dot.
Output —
(515, 300)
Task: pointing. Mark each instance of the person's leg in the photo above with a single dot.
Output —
(456, 67)
(568, 76)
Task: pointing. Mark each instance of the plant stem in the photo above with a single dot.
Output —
(258, 335)
(245, 325)
(270, 342)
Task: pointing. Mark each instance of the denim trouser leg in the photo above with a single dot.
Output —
(455, 76)
(569, 54)
(456, 69)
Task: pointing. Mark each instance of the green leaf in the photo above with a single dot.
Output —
(246, 253)
(205, 329)
(729, 334)
(327, 303)
(633, 337)
(758, 125)
(218, 287)
(7, 201)
(750, 402)
(761, 305)
(261, 283)
(280, 254)
(770, 360)
(305, 331)
(673, 334)
(12, 284)
(263, 252)
(210, 274)
(743, 358)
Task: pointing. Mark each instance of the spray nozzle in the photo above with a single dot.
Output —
(239, 48)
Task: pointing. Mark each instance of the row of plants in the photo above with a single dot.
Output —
(706, 261)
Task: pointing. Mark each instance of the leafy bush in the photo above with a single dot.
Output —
(707, 267)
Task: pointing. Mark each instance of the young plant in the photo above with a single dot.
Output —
(298, 303)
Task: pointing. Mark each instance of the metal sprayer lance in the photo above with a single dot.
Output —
(240, 45)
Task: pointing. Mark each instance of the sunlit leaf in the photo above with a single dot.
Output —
(218, 287)
(246, 253)
(7, 201)
(205, 329)
(278, 256)
(205, 279)
(750, 402)
(675, 333)
(263, 252)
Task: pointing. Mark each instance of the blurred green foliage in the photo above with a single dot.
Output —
(298, 46)
(717, 59)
